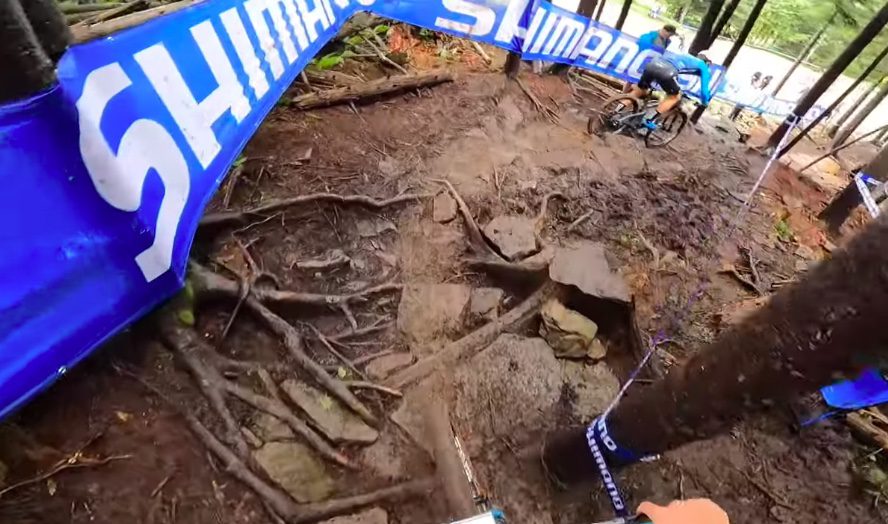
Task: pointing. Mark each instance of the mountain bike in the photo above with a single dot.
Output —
(624, 113)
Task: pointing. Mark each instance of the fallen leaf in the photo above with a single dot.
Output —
(326, 402)
(51, 487)
(123, 416)
(341, 372)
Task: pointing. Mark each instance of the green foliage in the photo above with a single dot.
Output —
(784, 232)
(328, 62)
(381, 29)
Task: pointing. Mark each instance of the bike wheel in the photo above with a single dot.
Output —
(605, 119)
(669, 126)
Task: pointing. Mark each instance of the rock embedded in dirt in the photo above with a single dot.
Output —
(568, 333)
(371, 227)
(331, 418)
(429, 314)
(514, 236)
(296, 469)
(444, 208)
(805, 252)
(594, 386)
(585, 267)
(370, 516)
(508, 389)
(270, 428)
(484, 303)
(384, 457)
(381, 367)
(410, 417)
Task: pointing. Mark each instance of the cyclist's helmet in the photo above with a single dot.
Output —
(704, 56)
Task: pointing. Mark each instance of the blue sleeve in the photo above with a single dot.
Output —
(646, 41)
(705, 81)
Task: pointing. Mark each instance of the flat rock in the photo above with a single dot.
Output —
(485, 303)
(410, 417)
(370, 516)
(507, 389)
(585, 267)
(371, 227)
(514, 236)
(444, 208)
(296, 469)
(331, 418)
(568, 333)
(430, 313)
(381, 367)
(594, 386)
(270, 428)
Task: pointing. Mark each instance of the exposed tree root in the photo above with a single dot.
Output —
(540, 221)
(474, 341)
(477, 240)
(212, 284)
(342, 358)
(194, 353)
(228, 218)
(363, 384)
(545, 110)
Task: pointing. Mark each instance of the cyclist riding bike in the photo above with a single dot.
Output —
(664, 71)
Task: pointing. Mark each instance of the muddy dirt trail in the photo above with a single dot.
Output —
(657, 222)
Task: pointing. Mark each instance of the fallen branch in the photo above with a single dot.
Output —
(474, 341)
(226, 218)
(348, 363)
(540, 221)
(369, 90)
(842, 147)
(125, 9)
(75, 461)
(70, 8)
(584, 217)
(743, 280)
(382, 56)
(330, 508)
(363, 384)
(84, 33)
(481, 52)
(867, 430)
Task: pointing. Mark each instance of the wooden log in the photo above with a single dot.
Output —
(372, 89)
(125, 9)
(86, 33)
(70, 8)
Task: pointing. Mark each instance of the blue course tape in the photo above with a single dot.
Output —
(597, 437)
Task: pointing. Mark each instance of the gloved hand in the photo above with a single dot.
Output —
(693, 511)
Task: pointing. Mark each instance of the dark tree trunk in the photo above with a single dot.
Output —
(26, 67)
(723, 21)
(704, 32)
(586, 8)
(738, 44)
(624, 13)
(805, 54)
(800, 341)
(866, 35)
(49, 25)
(858, 118)
(513, 65)
(835, 126)
(839, 209)
(869, 69)
(600, 10)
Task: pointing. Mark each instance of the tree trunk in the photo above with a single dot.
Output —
(835, 126)
(704, 32)
(866, 35)
(624, 13)
(723, 21)
(586, 8)
(880, 138)
(801, 340)
(852, 125)
(869, 69)
(839, 209)
(600, 10)
(738, 44)
(49, 25)
(27, 68)
(513, 65)
(805, 53)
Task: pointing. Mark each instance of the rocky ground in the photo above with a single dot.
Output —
(599, 244)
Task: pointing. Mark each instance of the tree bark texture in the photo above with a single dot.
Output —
(835, 126)
(866, 35)
(704, 32)
(49, 25)
(624, 13)
(869, 69)
(27, 67)
(803, 339)
(840, 207)
(723, 21)
(851, 126)
(805, 53)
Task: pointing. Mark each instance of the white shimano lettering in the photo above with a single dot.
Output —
(510, 25)
(245, 51)
(565, 37)
(283, 30)
(314, 18)
(593, 55)
(255, 10)
(623, 43)
(120, 177)
(484, 16)
(195, 118)
(296, 24)
(543, 34)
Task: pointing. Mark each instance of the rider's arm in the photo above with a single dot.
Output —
(705, 83)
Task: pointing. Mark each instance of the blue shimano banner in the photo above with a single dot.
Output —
(107, 174)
